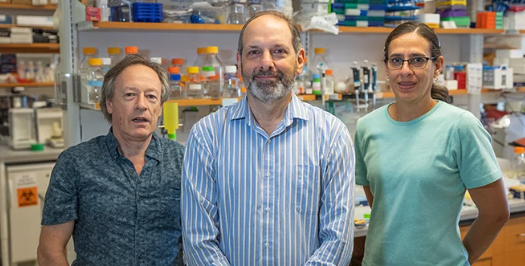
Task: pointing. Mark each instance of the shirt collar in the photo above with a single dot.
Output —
(153, 151)
(296, 109)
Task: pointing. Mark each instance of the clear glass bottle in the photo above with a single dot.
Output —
(106, 64)
(254, 7)
(210, 82)
(518, 163)
(316, 84)
(120, 10)
(178, 62)
(329, 82)
(176, 88)
(114, 55)
(94, 80)
(319, 62)
(236, 12)
(201, 56)
(212, 59)
(193, 86)
(231, 83)
(89, 52)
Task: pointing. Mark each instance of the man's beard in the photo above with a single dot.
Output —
(268, 91)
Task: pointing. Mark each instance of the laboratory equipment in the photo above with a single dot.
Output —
(518, 163)
(316, 84)
(211, 82)
(374, 77)
(49, 124)
(212, 59)
(89, 52)
(236, 12)
(131, 50)
(106, 65)
(254, 7)
(104, 9)
(92, 82)
(21, 128)
(231, 83)
(193, 86)
(356, 77)
(319, 63)
(366, 77)
(178, 62)
(201, 56)
(329, 83)
(120, 10)
(114, 55)
(176, 87)
(171, 119)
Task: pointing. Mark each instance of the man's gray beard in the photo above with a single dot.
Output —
(269, 93)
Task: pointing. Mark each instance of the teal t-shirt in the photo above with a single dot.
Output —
(418, 172)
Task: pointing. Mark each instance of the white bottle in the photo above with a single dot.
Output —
(104, 9)
(21, 70)
(30, 71)
(39, 75)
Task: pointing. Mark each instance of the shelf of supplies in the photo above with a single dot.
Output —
(20, 6)
(344, 29)
(389, 94)
(36, 84)
(29, 48)
(6, 26)
(87, 25)
(520, 89)
(201, 102)
(308, 97)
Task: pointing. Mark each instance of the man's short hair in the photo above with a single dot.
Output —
(108, 87)
(296, 36)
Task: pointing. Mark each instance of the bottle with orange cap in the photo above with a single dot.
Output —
(329, 82)
(114, 54)
(212, 59)
(89, 52)
(193, 87)
(178, 62)
(92, 82)
(319, 62)
(131, 50)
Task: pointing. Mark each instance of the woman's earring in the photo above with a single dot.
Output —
(436, 79)
(387, 80)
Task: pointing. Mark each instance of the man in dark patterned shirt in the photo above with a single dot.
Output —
(119, 194)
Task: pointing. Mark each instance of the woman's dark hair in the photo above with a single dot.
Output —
(437, 92)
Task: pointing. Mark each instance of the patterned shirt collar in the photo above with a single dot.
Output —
(154, 150)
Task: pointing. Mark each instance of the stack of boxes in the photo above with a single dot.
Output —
(454, 10)
(514, 18)
(21, 35)
(432, 20)
(514, 59)
(489, 20)
(400, 11)
(360, 13)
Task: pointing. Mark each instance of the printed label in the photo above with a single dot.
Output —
(195, 87)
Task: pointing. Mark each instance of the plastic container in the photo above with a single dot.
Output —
(147, 12)
(174, 70)
(461, 76)
(193, 86)
(212, 59)
(449, 72)
(214, 15)
(89, 52)
(319, 62)
(316, 84)
(236, 12)
(176, 88)
(176, 16)
(120, 10)
(178, 62)
(114, 55)
(104, 9)
(171, 119)
(94, 80)
(201, 56)
(131, 50)
(211, 82)
(106, 65)
(253, 7)
(329, 82)
(231, 83)
(518, 163)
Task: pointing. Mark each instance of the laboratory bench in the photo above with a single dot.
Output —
(24, 176)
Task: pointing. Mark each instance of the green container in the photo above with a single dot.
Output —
(460, 21)
(351, 6)
(338, 11)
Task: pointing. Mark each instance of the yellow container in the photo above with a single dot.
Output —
(171, 119)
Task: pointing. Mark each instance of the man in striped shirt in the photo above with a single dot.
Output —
(269, 180)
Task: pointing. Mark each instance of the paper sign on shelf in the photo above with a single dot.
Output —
(26, 190)
(474, 78)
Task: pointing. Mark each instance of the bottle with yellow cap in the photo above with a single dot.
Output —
(89, 52)
(319, 62)
(92, 82)
(213, 60)
(193, 87)
(201, 55)
(114, 54)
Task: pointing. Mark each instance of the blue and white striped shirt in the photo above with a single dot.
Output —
(253, 199)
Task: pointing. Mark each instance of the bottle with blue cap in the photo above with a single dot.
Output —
(176, 89)
(316, 84)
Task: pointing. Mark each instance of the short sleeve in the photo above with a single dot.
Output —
(475, 157)
(360, 166)
(61, 200)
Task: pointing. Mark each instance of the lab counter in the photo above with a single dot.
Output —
(468, 214)
(8, 155)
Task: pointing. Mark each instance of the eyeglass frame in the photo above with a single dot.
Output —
(408, 61)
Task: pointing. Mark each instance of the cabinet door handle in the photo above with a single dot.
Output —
(521, 235)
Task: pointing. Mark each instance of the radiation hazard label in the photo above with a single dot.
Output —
(27, 196)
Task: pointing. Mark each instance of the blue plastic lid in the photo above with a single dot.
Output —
(175, 77)
(316, 76)
(458, 67)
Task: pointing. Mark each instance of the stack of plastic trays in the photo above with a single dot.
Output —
(147, 12)
(400, 11)
(360, 13)
(454, 10)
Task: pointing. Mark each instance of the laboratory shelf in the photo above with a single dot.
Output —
(7, 26)
(201, 102)
(389, 94)
(343, 29)
(35, 84)
(29, 48)
(31, 7)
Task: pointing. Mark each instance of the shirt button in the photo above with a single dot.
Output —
(266, 244)
(268, 174)
(298, 209)
(267, 209)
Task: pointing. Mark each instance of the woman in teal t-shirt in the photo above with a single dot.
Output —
(417, 157)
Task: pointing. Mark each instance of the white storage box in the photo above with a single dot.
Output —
(498, 77)
(509, 53)
(451, 85)
(429, 18)
(34, 20)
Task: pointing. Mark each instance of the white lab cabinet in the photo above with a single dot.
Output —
(27, 185)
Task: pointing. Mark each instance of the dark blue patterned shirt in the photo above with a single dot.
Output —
(121, 218)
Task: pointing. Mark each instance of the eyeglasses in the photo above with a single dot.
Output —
(395, 63)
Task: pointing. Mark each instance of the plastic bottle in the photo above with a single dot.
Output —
(176, 88)
(120, 10)
(518, 163)
(171, 119)
(213, 60)
(319, 62)
(89, 52)
(193, 86)
(254, 7)
(131, 50)
(104, 9)
(231, 83)
(173, 70)
(21, 70)
(236, 12)
(316, 84)
(114, 55)
(30, 71)
(449, 72)
(210, 82)
(157, 60)
(178, 62)
(201, 56)
(39, 72)
(329, 82)
(94, 80)
(106, 65)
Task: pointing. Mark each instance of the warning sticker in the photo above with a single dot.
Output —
(26, 180)
(27, 196)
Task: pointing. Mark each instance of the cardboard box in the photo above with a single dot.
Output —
(92, 14)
